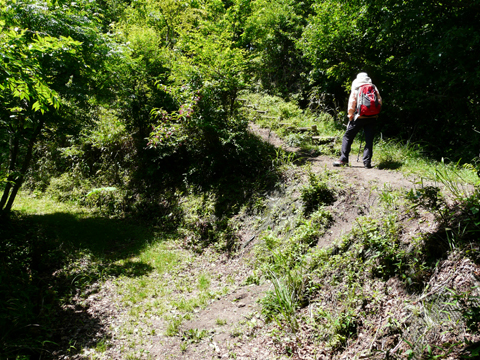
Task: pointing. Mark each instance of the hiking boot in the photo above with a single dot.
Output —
(367, 166)
(339, 163)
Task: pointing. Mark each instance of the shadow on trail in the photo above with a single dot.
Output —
(389, 165)
(48, 260)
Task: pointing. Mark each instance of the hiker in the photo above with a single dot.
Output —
(361, 115)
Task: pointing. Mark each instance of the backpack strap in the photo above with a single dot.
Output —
(357, 110)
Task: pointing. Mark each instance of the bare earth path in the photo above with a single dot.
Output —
(230, 326)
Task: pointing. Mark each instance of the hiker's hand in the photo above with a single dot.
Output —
(350, 117)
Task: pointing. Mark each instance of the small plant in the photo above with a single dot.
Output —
(108, 199)
(428, 197)
(390, 155)
(203, 282)
(102, 346)
(389, 197)
(283, 158)
(221, 322)
(344, 326)
(285, 299)
(194, 335)
(455, 179)
(317, 192)
(297, 140)
(236, 332)
(469, 307)
(173, 326)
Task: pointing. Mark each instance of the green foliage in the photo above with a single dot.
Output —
(408, 49)
(107, 199)
(194, 335)
(201, 227)
(337, 327)
(208, 76)
(68, 188)
(173, 326)
(459, 218)
(394, 155)
(271, 30)
(317, 192)
(283, 117)
(428, 197)
(50, 56)
(468, 305)
(298, 139)
(283, 261)
(283, 159)
(283, 300)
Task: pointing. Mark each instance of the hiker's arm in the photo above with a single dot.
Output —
(352, 104)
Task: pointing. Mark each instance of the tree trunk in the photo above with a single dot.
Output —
(14, 149)
(17, 183)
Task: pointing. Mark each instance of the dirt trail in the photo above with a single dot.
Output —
(243, 336)
(356, 173)
(231, 326)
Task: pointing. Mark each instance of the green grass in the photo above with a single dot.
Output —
(85, 229)
(220, 322)
(281, 116)
(149, 270)
(36, 205)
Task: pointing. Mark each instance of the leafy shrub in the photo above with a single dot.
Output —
(297, 139)
(289, 110)
(201, 227)
(68, 187)
(109, 200)
(317, 192)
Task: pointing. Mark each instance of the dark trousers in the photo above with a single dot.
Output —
(368, 126)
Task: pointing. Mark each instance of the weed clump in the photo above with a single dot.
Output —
(317, 192)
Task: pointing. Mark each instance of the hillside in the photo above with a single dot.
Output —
(372, 278)
(167, 188)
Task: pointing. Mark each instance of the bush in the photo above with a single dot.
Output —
(317, 192)
(68, 187)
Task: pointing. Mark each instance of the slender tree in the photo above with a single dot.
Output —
(49, 54)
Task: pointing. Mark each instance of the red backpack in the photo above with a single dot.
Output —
(367, 101)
